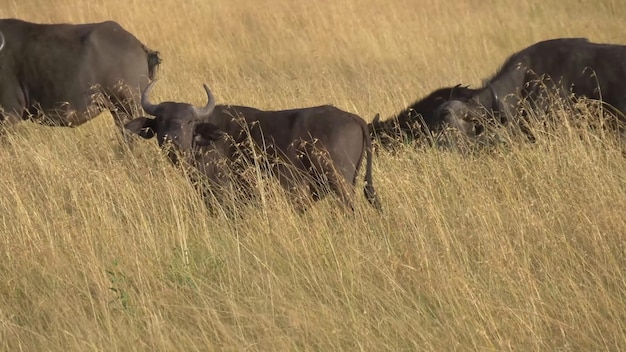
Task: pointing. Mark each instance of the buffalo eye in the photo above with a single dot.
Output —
(204, 133)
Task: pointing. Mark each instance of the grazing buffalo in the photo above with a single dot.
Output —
(310, 151)
(552, 68)
(57, 74)
(418, 120)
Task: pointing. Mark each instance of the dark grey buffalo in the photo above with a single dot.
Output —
(57, 74)
(310, 150)
(419, 119)
(529, 78)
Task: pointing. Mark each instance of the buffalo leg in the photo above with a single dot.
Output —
(123, 108)
(341, 189)
(328, 177)
(12, 105)
(295, 184)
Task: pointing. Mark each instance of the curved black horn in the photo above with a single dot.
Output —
(145, 100)
(206, 111)
(495, 99)
(1, 41)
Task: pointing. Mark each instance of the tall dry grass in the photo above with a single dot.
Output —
(518, 247)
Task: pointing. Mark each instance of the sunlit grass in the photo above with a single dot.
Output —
(514, 247)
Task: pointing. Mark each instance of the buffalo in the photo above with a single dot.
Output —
(311, 151)
(419, 120)
(530, 79)
(58, 74)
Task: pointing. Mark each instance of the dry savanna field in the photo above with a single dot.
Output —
(517, 247)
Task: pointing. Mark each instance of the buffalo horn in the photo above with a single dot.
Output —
(206, 111)
(1, 41)
(145, 100)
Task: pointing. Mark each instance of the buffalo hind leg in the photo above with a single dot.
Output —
(124, 107)
(9, 106)
(294, 183)
(7, 122)
(330, 182)
(339, 186)
(328, 179)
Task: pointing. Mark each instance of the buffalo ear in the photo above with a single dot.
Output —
(143, 126)
(204, 133)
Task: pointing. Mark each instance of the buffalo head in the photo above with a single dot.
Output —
(420, 119)
(459, 115)
(173, 123)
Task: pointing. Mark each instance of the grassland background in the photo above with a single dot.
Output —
(520, 249)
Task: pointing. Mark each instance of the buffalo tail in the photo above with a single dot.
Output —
(369, 191)
(153, 62)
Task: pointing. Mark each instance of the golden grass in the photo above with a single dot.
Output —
(517, 248)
